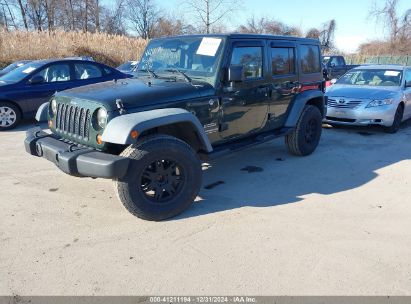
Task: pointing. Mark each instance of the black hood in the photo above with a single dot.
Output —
(138, 93)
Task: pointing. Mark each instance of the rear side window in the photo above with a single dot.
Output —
(282, 60)
(87, 71)
(252, 60)
(310, 59)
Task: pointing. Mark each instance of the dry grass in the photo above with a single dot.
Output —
(109, 49)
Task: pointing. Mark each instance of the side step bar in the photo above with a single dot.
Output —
(245, 143)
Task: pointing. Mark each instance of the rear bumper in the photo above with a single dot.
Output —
(75, 160)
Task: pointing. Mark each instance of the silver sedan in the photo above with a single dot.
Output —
(371, 95)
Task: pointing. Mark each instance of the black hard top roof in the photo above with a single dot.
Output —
(251, 36)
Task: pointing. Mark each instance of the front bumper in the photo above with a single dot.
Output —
(75, 160)
(362, 116)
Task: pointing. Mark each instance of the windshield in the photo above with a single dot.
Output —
(13, 66)
(21, 72)
(196, 57)
(326, 59)
(128, 66)
(369, 77)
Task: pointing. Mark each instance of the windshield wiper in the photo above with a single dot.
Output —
(151, 72)
(186, 77)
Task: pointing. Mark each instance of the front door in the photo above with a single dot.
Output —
(245, 104)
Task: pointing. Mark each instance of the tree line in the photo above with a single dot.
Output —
(145, 18)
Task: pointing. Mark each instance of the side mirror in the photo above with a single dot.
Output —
(332, 65)
(235, 73)
(408, 84)
(37, 80)
(333, 81)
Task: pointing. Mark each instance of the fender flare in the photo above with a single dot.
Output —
(298, 104)
(118, 129)
(42, 112)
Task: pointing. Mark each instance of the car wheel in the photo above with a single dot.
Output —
(306, 136)
(10, 116)
(163, 179)
(399, 114)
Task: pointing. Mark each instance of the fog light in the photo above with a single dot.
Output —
(99, 139)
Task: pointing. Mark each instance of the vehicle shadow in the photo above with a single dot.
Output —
(27, 124)
(267, 176)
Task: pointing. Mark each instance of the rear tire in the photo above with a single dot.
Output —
(399, 114)
(10, 116)
(306, 136)
(163, 178)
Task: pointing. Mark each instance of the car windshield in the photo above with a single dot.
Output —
(326, 59)
(372, 77)
(128, 66)
(13, 66)
(21, 72)
(186, 58)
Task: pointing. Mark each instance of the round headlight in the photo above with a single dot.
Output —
(102, 117)
(54, 107)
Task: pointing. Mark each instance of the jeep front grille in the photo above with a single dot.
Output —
(73, 120)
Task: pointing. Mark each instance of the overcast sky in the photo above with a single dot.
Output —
(353, 23)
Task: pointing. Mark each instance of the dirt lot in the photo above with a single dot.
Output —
(337, 222)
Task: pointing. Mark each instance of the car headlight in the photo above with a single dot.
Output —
(379, 102)
(102, 117)
(53, 107)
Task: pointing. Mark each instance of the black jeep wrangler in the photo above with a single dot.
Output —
(194, 98)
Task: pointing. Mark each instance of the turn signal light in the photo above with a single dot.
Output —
(134, 134)
(99, 139)
(50, 124)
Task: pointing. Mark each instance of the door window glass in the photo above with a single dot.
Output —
(282, 60)
(252, 60)
(55, 73)
(310, 59)
(87, 71)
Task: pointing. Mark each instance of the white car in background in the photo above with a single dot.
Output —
(371, 95)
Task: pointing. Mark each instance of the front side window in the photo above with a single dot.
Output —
(282, 61)
(195, 57)
(87, 71)
(371, 77)
(310, 59)
(55, 73)
(251, 58)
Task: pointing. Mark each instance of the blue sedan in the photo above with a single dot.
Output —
(23, 90)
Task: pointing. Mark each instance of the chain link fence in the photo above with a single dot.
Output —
(360, 59)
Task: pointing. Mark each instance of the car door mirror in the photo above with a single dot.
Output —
(235, 73)
(37, 80)
(408, 84)
(332, 65)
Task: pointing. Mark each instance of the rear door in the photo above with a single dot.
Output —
(284, 79)
(245, 106)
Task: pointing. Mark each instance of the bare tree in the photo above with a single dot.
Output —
(399, 27)
(142, 14)
(268, 26)
(211, 12)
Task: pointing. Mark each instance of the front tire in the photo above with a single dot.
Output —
(398, 116)
(163, 178)
(306, 136)
(10, 116)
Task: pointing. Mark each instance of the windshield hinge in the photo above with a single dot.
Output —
(120, 106)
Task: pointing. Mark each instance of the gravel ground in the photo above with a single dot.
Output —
(265, 223)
